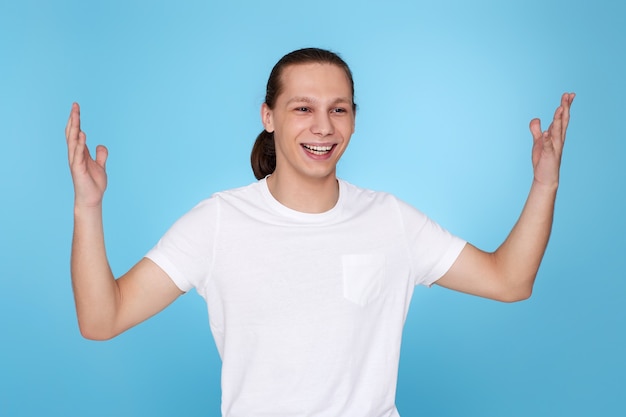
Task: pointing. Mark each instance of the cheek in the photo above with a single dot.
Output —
(347, 128)
(291, 126)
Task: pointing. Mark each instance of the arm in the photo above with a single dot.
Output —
(508, 274)
(105, 306)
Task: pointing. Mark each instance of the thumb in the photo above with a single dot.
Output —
(101, 155)
(535, 129)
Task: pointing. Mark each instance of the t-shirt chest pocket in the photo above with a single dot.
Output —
(363, 276)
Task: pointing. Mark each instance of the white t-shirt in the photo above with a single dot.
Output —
(306, 310)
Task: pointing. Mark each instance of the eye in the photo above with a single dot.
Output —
(302, 109)
(339, 110)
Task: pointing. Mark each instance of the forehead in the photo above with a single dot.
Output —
(315, 80)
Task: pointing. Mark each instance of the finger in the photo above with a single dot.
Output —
(80, 152)
(69, 120)
(535, 129)
(547, 141)
(556, 128)
(101, 155)
(560, 121)
(73, 131)
(566, 102)
(73, 124)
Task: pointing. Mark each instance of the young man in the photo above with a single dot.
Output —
(307, 278)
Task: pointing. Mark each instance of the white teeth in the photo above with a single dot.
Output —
(318, 150)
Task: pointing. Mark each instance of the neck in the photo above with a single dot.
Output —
(315, 195)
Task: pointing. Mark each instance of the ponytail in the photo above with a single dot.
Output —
(263, 156)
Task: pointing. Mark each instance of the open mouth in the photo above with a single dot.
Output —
(317, 149)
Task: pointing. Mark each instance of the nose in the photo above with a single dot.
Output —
(322, 124)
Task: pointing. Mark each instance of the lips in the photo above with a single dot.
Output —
(318, 149)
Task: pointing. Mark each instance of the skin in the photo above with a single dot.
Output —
(314, 111)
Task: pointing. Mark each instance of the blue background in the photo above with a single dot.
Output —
(446, 90)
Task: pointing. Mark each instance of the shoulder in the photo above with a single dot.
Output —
(244, 192)
(354, 192)
(210, 206)
(382, 204)
(234, 196)
(355, 195)
(250, 201)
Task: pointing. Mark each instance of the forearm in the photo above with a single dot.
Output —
(96, 292)
(518, 258)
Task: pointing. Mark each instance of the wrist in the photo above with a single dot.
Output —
(87, 210)
(547, 187)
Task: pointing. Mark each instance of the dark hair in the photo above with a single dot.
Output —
(263, 156)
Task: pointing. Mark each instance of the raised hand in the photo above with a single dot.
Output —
(548, 144)
(88, 174)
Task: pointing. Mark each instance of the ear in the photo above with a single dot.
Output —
(267, 118)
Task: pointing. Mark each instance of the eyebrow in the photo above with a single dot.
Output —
(303, 99)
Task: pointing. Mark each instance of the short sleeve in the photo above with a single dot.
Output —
(185, 251)
(432, 249)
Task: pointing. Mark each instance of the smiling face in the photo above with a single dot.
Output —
(312, 121)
